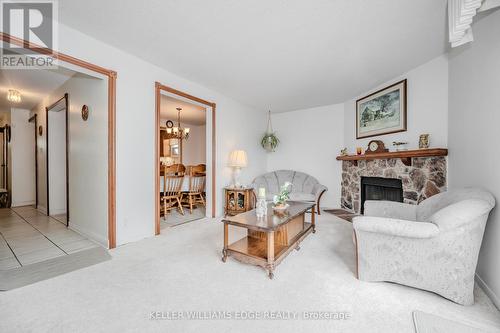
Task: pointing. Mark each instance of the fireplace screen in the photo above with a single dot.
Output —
(377, 188)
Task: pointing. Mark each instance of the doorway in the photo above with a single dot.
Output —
(57, 160)
(5, 197)
(3, 162)
(209, 136)
(33, 120)
(30, 235)
(110, 78)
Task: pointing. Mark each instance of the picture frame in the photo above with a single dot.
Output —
(382, 112)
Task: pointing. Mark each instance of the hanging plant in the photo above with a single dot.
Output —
(270, 141)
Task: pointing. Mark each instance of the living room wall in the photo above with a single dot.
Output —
(473, 133)
(312, 138)
(427, 108)
(135, 136)
(310, 141)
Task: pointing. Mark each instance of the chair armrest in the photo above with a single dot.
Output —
(317, 190)
(254, 188)
(460, 213)
(390, 209)
(394, 227)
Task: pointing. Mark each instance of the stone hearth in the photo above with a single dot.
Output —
(424, 178)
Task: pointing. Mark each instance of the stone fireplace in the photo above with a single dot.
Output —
(419, 178)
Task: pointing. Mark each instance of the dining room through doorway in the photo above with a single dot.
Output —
(183, 159)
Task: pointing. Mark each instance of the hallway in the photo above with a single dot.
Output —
(28, 236)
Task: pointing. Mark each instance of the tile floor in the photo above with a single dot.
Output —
(28, 236)
(61, 218)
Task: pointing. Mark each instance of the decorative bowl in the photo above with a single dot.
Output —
(281, 208)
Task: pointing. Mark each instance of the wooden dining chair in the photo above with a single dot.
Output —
(170, 170)
(172, 195)
(195, 194)
(180, 169)
(203, 171)
(196, 170)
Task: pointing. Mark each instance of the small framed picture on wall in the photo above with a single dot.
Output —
(174, 150)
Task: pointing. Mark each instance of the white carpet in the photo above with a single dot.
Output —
(175, 218)
(181, 270)
(429, 323)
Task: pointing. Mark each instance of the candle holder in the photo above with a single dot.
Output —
(261, 204)
(261, 207)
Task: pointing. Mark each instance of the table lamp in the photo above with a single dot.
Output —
(237, 160)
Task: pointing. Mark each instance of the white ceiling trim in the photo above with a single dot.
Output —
(461, 15)
(489, 4)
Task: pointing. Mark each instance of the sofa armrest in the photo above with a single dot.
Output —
(395, 227)
(390, 209)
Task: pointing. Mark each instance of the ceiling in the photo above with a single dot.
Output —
(34, 85)
(278, 54)
(191, 114)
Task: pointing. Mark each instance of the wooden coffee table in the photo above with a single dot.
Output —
(271, 238)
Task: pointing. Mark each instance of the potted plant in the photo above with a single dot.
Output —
(269, 142)
(281, 198)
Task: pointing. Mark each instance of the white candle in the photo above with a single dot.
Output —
(262, 192)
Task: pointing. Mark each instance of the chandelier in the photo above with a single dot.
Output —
(14, 96)
(178, 132)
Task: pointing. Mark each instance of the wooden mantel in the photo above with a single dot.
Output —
(404, 155)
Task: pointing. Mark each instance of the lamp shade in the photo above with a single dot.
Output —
(238, 159)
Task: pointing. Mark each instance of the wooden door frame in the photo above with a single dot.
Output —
(66, 134)
(34, 119)
(5, 175)
(158, 89)
(111, 75)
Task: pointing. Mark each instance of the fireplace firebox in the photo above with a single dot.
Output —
(377, 188)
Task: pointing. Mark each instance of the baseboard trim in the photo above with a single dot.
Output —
(90, 235)
(23, 203)
(57, 212)
(487, 290)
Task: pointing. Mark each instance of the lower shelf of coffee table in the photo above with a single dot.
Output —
(254, 247)
(257, 247)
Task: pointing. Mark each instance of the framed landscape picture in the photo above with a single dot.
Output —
(382, 112)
